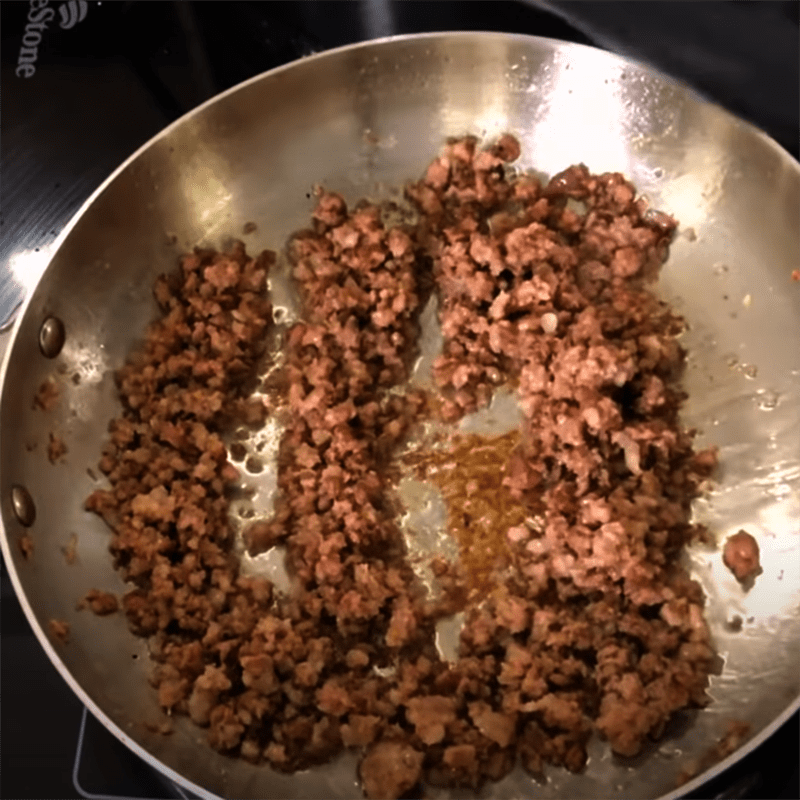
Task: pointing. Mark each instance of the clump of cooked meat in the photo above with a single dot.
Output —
(741, 556)
(595, 625)
(390, 769)
(100, 602)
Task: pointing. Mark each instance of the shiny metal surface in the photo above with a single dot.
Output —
(51, 337)
(361, 120)
(23, 506)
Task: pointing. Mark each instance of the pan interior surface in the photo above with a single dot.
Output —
(363, 121)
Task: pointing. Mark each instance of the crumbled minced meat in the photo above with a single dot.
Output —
(101, 603)
(46, 397)
(596, 626)
(26, 546)
(71, 549)
(736, 731)
(165, 727)
(56, 448)
(59, 630)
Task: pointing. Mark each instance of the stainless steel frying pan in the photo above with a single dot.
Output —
(362, 119)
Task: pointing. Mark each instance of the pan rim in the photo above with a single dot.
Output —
(11, 336)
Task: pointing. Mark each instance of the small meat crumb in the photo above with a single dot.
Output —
(164, 727)
(249, 227)
(741, 556)
(102, 603)
(71, 549)
(26, 545)
(734, 624)
(390, 769)
(56, 448)
(59, 630)
(734, 735)
(47, 395)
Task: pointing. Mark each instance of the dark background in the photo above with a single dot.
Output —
(105, 86)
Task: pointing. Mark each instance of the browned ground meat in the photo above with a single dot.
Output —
(55, 448)
(47, 395)
(594, 626)
(100, 602)
(741, 556)
(557, 304)
(59, 630)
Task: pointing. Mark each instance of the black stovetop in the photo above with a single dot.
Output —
(106, 76)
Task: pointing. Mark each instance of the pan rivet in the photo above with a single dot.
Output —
(22, 502)
(51, 337)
